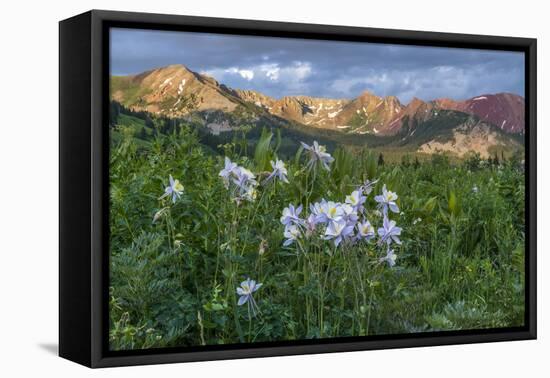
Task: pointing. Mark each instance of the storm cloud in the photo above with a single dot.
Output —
(279, 66)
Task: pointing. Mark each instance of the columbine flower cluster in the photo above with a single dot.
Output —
(345, 222)
(244, 181)
(241, 179)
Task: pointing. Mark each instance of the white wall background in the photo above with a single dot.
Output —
(29, 188)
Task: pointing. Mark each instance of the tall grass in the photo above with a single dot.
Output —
(173, 281)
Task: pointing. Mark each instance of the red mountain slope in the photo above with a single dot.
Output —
(504, 110)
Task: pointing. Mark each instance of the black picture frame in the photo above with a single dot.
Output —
(83, 182)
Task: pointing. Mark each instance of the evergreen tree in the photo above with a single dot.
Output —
(380, 159)
(416, 162)
(406, 160)
(114, 113)
(142, 134)
(149, 122)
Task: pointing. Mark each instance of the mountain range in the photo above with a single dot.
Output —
(478, 124)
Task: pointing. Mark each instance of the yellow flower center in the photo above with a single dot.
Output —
(390, 196)
(178, 186)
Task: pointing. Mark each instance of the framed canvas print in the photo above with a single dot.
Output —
(234, 188)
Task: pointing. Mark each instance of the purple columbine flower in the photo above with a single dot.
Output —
(356, 199)
(333, 211)
(389, 258)
(367, 186)
(387, 200)
(389, 232)
(291, 233)
(349, 213)
(279, 171)
(246, 290)
(175, 190)
(319, 210)
(291, 215)
(365, 230)
(230, 168)
(338, 230)
(318, 153)
(311, 224)
(244, 178)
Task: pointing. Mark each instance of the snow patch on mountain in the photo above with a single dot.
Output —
(166, 82)
(180, 87)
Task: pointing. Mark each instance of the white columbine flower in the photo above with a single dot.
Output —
(365, 230)
(245, 292)
(389, 232)
(291, 215)
(319, 209)
(350, 212)
(175, 189)
(318, 153)
(311, 224)
(292, 233)
(246, 183)
(333, 211)
(279, 171)
(387, 199)
(229, 169)
(389, 258)
(244, 178)
(251, 193)
(356, 199)
(338, 230)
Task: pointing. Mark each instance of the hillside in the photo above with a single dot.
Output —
(481, 124)
(504, 110)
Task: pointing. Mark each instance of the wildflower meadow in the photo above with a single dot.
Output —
(242, 243)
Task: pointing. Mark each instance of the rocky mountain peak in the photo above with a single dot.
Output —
(175, 90)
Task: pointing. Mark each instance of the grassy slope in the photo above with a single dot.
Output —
(132, 91)
(253, 120)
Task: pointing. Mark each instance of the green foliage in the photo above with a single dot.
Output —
(342, 168)
(461, 315)
(175, 267)
(133, 92)
(264, 153)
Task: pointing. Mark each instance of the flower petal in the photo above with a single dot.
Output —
(242, 300)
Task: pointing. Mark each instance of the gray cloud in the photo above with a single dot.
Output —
(280, 66)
